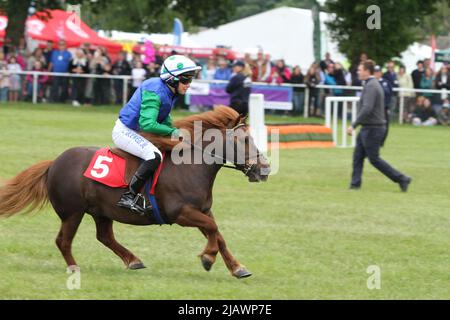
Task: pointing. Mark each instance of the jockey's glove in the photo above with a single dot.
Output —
(177, 134)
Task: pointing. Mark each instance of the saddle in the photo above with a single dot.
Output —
(115, 168)
(131, 163)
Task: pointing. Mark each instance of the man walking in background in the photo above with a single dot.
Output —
(371, 116)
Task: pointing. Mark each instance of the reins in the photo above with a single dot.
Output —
(245, 168)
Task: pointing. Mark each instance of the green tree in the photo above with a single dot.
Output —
(399, 20)
(131, 15)
(245, 8)
(157, 16)
(17, 11)
(437, 23)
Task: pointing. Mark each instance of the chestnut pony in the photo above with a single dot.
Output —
(183, 192)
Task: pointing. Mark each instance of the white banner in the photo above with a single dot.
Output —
(199, 88)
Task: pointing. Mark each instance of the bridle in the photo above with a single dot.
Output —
(245, 168)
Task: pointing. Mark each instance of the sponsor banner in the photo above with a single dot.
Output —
(208, 94)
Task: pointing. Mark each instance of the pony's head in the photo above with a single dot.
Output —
(245, 155)
(236, 145)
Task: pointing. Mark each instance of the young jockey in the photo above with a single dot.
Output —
(149, 110)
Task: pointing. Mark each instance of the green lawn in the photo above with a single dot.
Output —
(303, 234)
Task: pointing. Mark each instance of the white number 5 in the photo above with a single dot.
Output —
(101, 170)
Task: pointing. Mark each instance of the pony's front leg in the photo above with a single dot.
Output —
(238, 270)
(192, 217)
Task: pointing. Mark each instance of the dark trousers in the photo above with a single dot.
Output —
(368, 145)
(78, 89)
(59, 89)
(314, 94)
(102, 91)
(298, 100)
(118, 89)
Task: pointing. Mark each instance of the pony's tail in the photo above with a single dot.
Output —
(26, 190)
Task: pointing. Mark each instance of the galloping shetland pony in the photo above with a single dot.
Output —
(183, 192)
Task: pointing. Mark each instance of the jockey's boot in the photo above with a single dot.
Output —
(133, 199)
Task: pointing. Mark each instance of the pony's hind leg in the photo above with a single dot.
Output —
(207, 259)
(105, 235)
(69, 227)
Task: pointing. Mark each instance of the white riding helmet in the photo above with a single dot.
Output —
(177, 65)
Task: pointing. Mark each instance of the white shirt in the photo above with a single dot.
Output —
(138, 75)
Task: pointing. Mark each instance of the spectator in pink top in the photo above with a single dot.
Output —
(42, 80)
(280, 70)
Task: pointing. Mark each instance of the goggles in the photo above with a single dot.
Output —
(184, 79)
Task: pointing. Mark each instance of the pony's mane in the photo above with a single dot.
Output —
(222, 117)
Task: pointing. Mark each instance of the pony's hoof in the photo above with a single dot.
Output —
(73, 268)
(136, 266)
(207, 263)
(241, 273)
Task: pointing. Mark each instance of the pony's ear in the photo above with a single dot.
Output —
(242, 118)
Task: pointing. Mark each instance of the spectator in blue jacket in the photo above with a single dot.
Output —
(330, 79)
(59, 62)
(391, 77)
(386, 85)
(223, 72)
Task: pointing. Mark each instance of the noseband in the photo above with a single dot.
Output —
(247, 167)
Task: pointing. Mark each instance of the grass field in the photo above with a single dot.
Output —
(303, 234)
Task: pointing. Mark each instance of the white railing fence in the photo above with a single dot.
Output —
(355, 90)
(306, 88)
(332, 115)
(36, 74)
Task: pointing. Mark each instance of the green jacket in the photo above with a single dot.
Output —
(150, 110)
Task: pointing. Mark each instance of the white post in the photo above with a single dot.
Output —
(335, 121)
(331, 118)
(344, 124)
(125, 91)
(35, 87)
(400, 109)
(258, 129)
(306, 103)
(328, 112)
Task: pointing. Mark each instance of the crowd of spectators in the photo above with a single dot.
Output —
(430, 108)
(82, 60)
(421, 108)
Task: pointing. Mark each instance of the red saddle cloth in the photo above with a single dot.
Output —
(111, 169)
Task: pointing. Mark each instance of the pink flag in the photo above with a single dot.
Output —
(149, 53)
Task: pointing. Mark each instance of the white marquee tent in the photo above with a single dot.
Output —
(416, 52)
(158, 38)
(283, 32)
